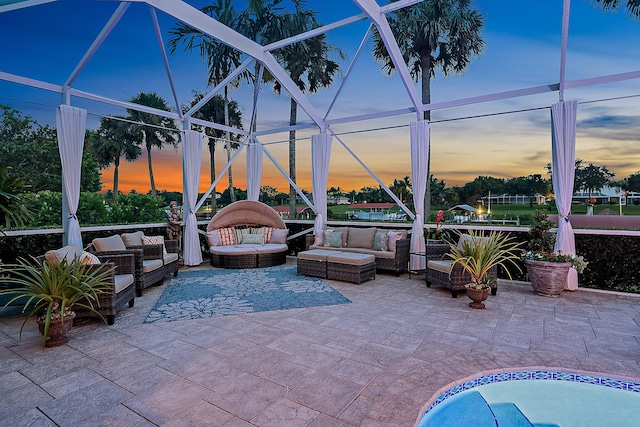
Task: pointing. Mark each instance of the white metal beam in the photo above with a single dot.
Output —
(204, 23)
(566, 10)
(156, 26)
(26, 81)
(106, 30)
(218, 126)
(21, 4)
(372, 10)
(123, 104)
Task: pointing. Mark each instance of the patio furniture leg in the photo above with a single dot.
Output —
(454, 293)
(111, 319)
(132, 301)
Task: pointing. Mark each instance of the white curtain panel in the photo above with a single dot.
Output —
(191, 160)
(563, 151)
(254, 170)
(320, 157)
(419, 160)
(71, 123)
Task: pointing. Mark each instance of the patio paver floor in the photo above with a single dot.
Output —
(374, 362)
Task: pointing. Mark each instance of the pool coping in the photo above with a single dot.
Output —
(471, 381)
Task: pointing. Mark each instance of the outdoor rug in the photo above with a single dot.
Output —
(206, 293)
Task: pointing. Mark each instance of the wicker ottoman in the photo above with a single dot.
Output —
(351, 267)
(314, 262)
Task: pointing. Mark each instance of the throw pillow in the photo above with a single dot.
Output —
(345, 234)
(279, 236)
(394, 236)
(69, 252)
(238, 234)
(361, 237)
(227, 236)
(255, 239)
(133, 239)
(213, 237)
(381, 241)
(154, 240)
(333, 239)
(267, 233)
(88, 258)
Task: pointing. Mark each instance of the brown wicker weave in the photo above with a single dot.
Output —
(351, 273)
(458, 278)
(312, 267)
(234, 261)
(398, 264)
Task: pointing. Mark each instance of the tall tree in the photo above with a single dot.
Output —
(632, 6)
(632, 182)
(214, 111)
(111, 142)
(155, 131)
(433, 34)
(221, 60)
(310, 67)
(592, 178)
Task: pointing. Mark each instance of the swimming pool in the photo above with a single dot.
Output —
(537, 397)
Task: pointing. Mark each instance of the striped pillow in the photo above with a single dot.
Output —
(267, 233)
(227, 236)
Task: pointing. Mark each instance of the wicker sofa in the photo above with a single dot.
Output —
(395, 258)
(227, 232)
(151, 263)
(122, 290)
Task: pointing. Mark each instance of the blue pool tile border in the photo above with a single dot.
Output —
(536, 374)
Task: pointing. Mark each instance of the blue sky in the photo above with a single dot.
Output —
(522, 50)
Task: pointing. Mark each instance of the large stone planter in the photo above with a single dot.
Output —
(548, 278)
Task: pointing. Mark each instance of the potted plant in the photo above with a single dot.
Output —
(548, 269)
(478, 255)
(52, 291)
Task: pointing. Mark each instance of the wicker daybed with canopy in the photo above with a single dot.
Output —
(243, 218)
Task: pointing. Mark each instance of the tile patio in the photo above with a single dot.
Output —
(374, 362)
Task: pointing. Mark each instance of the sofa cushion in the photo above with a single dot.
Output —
(69, 253)
(271, 248)
(133, 239)
(361, 237)
(381, 241)
(169, 258)
(351, 258)
(377, 254)
(213, 238)
(253, 239)
(233, 250)
(151, 265)
(122, 281)
(394, 236)
(333, 239)
(154, 240)
(345, 234)
(227, 236)
(111, 243)
(279, 236)
(316, 254)
(442, 266)
(88, 258)
(465, 238)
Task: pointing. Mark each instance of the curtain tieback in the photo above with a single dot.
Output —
(73, 216)
(566, 219)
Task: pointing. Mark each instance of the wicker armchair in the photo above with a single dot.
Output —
(121, 291)
(151, 264)
(440, 273)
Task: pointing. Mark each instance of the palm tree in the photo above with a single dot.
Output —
(433, 34)
(214, 111)
(110, 142)
(221, 60)
(156, 131)
(310, 69)
(633, 6)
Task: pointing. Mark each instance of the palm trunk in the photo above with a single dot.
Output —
(116, 164)
(293, 118)
(154, 193)
(232, 194)
(425, 64)
(212, 173)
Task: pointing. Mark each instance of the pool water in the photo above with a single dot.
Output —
(537, 398)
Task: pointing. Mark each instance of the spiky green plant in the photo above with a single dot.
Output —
(52, 291)
(481, 253)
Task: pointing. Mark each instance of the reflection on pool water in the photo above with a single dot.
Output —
(537, 398)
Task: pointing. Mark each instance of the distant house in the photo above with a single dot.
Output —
(376, 211)
(302, 212)
(605, 196)
(338, 200)
(511, 199)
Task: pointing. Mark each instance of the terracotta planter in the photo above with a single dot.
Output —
(477, 296)
(548, 278)
(57, 330)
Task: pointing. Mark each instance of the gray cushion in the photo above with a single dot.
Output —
(361, 237)
(151, 264)
(122, 281)
(112, 243)
(69, 253)
(133, 239)
(169, 258)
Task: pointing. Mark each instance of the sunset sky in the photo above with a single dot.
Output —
(522, 50)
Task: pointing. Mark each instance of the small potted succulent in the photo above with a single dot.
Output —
(52, 291)
(478, 255)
